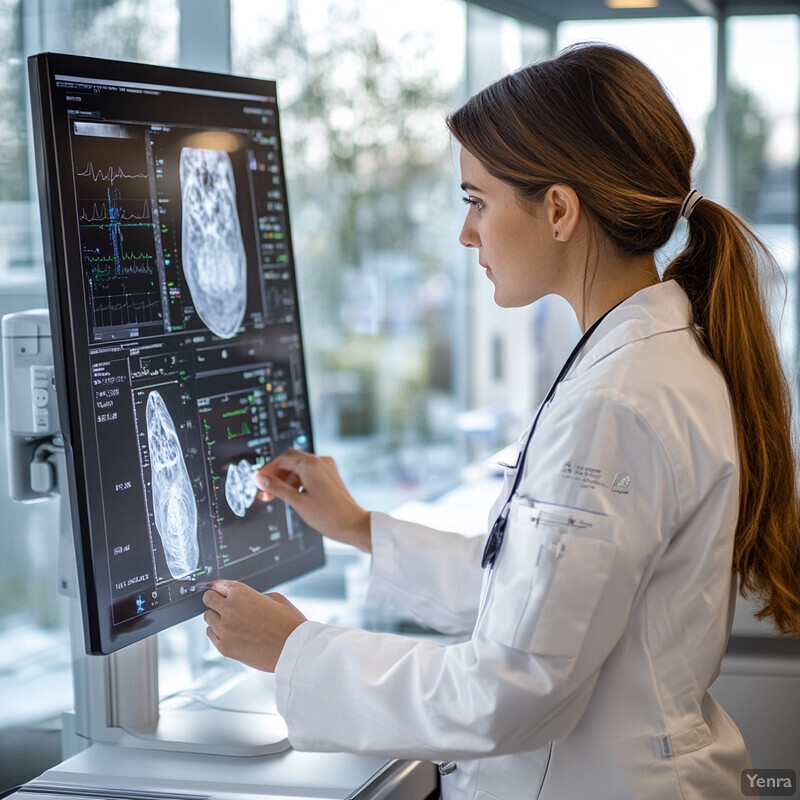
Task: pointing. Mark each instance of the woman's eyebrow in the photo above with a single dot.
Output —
(468, 187)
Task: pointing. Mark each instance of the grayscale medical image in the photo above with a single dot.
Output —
(213, 252)
(174, 504)
(240, 491)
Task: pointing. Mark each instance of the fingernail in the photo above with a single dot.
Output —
(262, 481)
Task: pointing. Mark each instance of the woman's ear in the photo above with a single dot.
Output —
(562, 210)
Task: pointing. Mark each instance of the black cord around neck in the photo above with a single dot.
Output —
(495, 540)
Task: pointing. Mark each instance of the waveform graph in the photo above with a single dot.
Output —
(118, 248)
(101, 163)
(109, 174)
(120, 262)
(239, 429)
(129, 310)
(106, 212)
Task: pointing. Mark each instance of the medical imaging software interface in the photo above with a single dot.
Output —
(195, 356)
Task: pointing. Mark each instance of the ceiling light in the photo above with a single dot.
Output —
(628, 4)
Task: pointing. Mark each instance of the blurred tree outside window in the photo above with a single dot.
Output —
(13, 143)
(371, 191)
(763, 107)
(748, 130)
(127, 30)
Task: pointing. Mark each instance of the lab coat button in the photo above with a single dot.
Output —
(447, 768)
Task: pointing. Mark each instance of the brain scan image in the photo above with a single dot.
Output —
(240, 491)
(174, 504)
(213, 251)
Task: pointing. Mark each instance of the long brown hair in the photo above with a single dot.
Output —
(598, 120)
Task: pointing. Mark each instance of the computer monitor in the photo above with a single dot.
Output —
(176, 334)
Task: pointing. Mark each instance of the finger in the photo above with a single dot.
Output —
(223, 587)
(262, 479)
(213, 599)
(287, 461)
(292, 460)
(215, 640)
(212, 620)
(282, 490)
(268, 469)
(294, 452)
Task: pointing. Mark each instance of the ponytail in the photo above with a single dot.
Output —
(719, 270)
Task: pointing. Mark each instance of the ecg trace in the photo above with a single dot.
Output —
(101, 213)
(128, 309)
(109, 175)
(119, 256)
(105, 267)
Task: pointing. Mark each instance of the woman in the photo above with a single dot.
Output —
(659, 470)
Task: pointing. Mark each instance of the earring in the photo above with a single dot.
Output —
(555, 234)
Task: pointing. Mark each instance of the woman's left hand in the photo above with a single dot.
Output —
(249, 626)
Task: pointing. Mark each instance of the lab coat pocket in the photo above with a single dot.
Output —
(550, 572)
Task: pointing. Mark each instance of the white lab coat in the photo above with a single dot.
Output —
(595, 636)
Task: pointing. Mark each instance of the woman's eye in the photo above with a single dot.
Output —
(471, 201)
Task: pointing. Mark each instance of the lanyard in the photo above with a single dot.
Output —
(495, 539)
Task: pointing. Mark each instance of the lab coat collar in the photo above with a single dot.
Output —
(660, 308)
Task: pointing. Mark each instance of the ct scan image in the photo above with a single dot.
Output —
(174, 503)
(240, 491)
(213, 252)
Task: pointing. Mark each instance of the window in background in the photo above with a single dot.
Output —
(13, 146)
(32, 634)
(510, 356)
(764, 79)
(363, 89)
(690, 82)
(34, 651)
(131, 30)
(762, 124)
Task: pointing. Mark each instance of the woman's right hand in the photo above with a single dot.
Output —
(312, 486)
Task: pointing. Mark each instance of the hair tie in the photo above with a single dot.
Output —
(691, 200)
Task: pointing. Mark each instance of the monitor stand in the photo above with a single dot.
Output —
(117, 698)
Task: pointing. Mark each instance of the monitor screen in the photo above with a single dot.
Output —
(176, 334)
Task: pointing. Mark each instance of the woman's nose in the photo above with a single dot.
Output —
(468, 237)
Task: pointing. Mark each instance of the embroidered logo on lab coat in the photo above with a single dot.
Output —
(621, 483)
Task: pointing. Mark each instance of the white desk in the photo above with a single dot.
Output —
(109, 772)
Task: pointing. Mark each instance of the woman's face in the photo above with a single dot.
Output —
(515, 247)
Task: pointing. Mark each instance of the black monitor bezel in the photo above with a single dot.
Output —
(55, 188)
